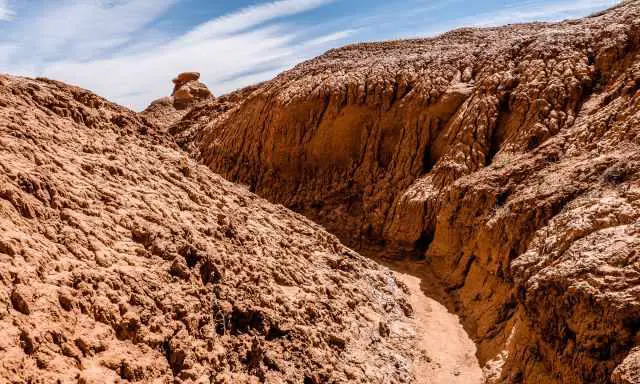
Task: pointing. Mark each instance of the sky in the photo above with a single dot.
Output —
(129, 50)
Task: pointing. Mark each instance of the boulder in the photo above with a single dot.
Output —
(187, 91)
(185, 77)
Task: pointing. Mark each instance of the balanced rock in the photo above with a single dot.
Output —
(185, 77)
(187, 90)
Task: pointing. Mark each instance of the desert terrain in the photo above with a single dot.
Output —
(457, 209)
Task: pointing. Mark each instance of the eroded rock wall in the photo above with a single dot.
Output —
(505, 156)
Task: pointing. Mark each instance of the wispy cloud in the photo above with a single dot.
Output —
(119, 49)
(538, 10)
(84, 28)
(330, 38)
(251, 16)
(522, 12)
(6, 14)
(230, 50)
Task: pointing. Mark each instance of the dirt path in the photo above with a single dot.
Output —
(449, 352)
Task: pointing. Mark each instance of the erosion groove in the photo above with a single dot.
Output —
(506, 157)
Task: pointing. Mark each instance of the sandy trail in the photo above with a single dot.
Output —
(449, 352)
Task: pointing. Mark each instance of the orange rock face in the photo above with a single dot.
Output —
(122, 260)
(507, 157)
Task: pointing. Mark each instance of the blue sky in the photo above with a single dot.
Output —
(128, 50)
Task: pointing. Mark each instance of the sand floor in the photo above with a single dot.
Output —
(449, 352)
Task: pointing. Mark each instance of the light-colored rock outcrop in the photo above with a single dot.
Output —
(629, 371)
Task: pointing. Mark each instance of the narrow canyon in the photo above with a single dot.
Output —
(458, 209)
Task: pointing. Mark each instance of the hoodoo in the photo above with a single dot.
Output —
(187, 92)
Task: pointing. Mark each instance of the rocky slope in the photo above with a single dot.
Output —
(121, 260)
(506, 157)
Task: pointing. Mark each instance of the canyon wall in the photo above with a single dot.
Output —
(506, 158)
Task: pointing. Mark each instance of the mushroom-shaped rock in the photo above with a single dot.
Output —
(190, 92)
(187, 91)
(185, 77)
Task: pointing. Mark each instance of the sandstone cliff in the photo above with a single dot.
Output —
(507, 158)
(121, 260)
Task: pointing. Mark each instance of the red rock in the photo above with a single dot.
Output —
(187, 92)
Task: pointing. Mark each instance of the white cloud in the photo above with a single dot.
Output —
(84, 28)
(336, 36)
(6, 14)
(525, 11)
(537, 10)
(251, 16)
(234, 50)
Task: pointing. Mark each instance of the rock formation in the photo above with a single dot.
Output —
(507, 158)
(628, 372)
(187, 92)
(122, 260)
